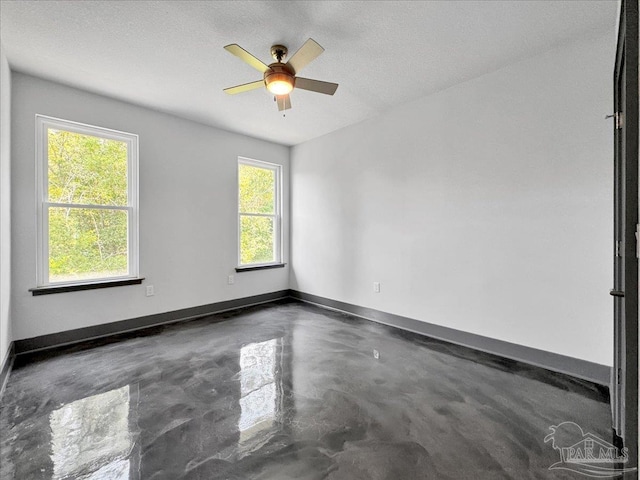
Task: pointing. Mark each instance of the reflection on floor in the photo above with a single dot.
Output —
(90, 437)
(257, 388)
(285, 391)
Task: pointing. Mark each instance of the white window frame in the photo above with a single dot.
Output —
(277, 216)
(43, 124)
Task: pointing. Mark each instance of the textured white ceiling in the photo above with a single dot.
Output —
(168, 55)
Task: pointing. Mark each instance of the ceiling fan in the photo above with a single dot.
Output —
(280, 78)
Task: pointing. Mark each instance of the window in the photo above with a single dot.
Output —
(88, 203)
(258, 213)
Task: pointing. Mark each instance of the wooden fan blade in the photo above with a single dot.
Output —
(244, 87)
(305, 55)
(246, 57)
(316, 86)
(284, 102)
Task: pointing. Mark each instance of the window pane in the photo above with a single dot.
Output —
(87, 243)
(86, 169)
(256, 240)
(257, 189)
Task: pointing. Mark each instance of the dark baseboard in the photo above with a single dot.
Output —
(69, 337)
(6, 367)
(593, 372)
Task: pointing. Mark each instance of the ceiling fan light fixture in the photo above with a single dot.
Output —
(281, 78)
(279, 83)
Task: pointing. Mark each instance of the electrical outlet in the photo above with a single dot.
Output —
(231, 280)
(376, 287)
(376, 354)
(150, 292)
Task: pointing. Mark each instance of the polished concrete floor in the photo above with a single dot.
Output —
(286, 391)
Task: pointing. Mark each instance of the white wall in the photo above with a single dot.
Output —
(486, 207)
(5, 208)
(188, 212)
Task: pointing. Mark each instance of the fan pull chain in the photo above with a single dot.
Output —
(276, 100)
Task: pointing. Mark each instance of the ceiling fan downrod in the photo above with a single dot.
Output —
(279, 53)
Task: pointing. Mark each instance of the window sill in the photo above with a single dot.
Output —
(84, 286)
(250, 268)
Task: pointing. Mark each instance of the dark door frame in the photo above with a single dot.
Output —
(626, 128)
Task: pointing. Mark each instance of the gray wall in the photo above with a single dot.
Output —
(486, 207)
(5, 208)
(188, 212)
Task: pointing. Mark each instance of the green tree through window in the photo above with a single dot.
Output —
(258, 191)
(86, 206)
